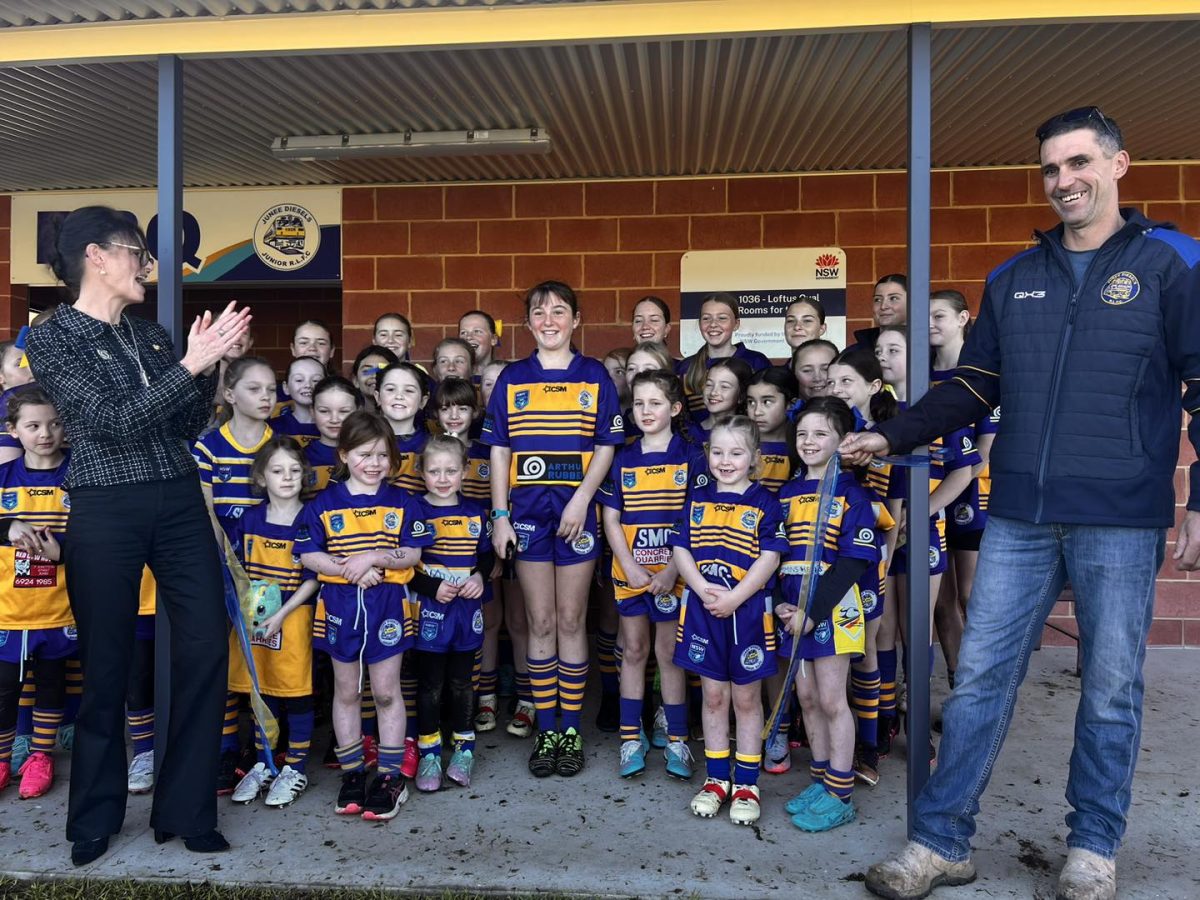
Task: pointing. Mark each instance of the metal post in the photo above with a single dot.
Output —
(170, 316)
(917, 579)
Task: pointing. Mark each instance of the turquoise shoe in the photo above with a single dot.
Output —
(20, 750)
(801, 801)
(679, 760)
(633, 757)
(824, 814)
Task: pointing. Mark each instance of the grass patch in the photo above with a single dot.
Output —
(80, 889)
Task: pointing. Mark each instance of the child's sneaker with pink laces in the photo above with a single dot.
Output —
(412, 758)
(37, 775)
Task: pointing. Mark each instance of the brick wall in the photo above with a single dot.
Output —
(434, 252)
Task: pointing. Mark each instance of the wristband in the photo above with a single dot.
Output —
(499, 514)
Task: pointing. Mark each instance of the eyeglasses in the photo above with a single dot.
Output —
(1078, 117)
(140, 252)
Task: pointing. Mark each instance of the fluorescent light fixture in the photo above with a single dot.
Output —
(477, 142)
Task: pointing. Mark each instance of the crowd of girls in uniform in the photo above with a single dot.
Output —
(424, 529)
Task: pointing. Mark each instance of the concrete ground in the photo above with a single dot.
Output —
(598, 835)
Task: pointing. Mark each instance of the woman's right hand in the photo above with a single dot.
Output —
(209, 340)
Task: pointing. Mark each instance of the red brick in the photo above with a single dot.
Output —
(891, 190)
(666, 270)
(1176, 599)
(441, 308)
(417, 202)
(530, 270)
(425, 338)
(841, 191)
(986, 187)
(444, 237)
(583, 234)
(599, 339)
(522, 343)
(504, 306)
(895, 259)
(764, 194)
(358, 204)
(1191, 182)
(959, 226)
(479, 271)
(597, 307)
(619, 198)
(1063, 608)
(479, 201)
(1150, 182)
(869, 228)
(409, 272)
(374, 238)
(513, 236)
(654, 233)
(800, 229)
(743, 232)
(618, 270)
(973, 261)
(358, 273)
(628, 298)
(972, 290)
(860, 265)
(550, 200)
(1184, 215)
(690, 195)
(1017, 223)
(1191, 633)
(1165, 633)
(366, 306)
(1052, 638)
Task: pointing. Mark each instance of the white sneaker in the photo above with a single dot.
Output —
(744, 807)
(522, 721)
(711, 798)
(1087, 876)
(141, 773)
(915, 872)
(287, 787)
(252, 785)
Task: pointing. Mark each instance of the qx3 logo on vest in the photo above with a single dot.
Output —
(1029, 295)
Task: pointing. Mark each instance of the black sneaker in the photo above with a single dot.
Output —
(227, 775)
(386, 796)
(543, 761)
(570, 754)
(609, 717)
(886, 730)
(353, 795)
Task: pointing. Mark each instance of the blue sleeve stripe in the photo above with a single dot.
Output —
(1187, 248)
(1011, 261)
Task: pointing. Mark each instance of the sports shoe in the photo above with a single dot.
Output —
(570, 754)
(658, 736)
(633, 757)
(252, 784)
(543, 762)
(915, 872)
(744, 807)
(778, 756)
(429, 773)
(825, 813)
(287, 787)
(485, 718)
(412, 758)
(5, 775)
(227, 775)
(608, 719)
(141, 773)
(888, 728)
(353, 795)
(459, 770)
(797, 736)
(866, 765)
(66, 737)
(522, 721)
(37, 775)
(679, 760)
(711, 798)
(1086, 876)
(386, 796)
(20, 751)
(801, 801)
(370, 752)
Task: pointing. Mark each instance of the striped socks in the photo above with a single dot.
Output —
(839, 784)
(864, 703)
(543, 680)
(887, 682)
(572, 681)
(229, 730)
(716, 764)
(390, 759)
(350, 756)
(141, 729)
(745, 768)
(631, 719)
(606, 660)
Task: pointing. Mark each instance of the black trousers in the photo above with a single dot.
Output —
(439, 674)
(112, 533)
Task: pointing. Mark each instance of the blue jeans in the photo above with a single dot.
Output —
(1022, 570)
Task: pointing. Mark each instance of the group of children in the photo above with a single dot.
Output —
(404, 518)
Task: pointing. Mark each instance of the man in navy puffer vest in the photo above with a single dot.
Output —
(1083, 341)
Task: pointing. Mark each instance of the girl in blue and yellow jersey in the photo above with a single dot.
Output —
(364, 372)
(552, 424)
(401, 392)
(14, 376)
(36, 623)
(832, 630)
(724, 395)
(719, 319)
(363, 537)
(264, 540)
(769, 394)
(334, 399)
(727, 547)
(643, 499)
(810, 364)
(226, 454)
(303, 375)
(452, 585)
(646, 357)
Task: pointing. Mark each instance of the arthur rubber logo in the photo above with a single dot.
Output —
(1120, 289)
(286, 237)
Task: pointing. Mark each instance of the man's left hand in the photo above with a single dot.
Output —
(1187, 543)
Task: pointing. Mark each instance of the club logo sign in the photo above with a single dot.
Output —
(286, 237)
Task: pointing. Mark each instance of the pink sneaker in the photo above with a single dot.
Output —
(370, 752)
(5, 774)
(37, 775)
(412, 758)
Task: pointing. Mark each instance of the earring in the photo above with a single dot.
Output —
(104, 271)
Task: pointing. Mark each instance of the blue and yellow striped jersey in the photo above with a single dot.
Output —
(324, 460)
(552, 420)
(727, 532)
(225, 468)
(946, 454)
(477, 480)
(268, 551)
(851, 522)
(286, 423)
(341, 524)
(775, 466)
(33, 590)
(408, 477)
(651, 490)
(695, 402)
(460, 533)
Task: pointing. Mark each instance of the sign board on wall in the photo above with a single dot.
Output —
(243, 235)
(765, 283)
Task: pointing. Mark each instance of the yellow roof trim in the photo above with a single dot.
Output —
(617, 20)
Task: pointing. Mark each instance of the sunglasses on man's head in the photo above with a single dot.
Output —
(1079, 116)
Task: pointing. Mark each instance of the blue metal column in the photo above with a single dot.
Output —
(917, 675)
(170, 316)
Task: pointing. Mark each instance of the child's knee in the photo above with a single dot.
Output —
(384, 699)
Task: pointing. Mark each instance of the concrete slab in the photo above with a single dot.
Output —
(599, 835)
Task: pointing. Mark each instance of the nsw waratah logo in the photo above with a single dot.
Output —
(827, 265)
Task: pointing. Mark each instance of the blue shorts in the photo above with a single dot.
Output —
(661, 608)
(38, 643)
(707, 646)
(144, 630)
(378, 628)
(937, 554)
(449, 627)
(536, 525)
